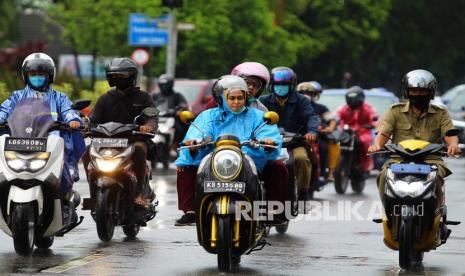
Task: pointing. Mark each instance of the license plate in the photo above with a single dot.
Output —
(26, 144)
(110, 142)
(221, 187)
(411, 168)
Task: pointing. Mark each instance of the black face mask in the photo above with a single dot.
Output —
(123, 84)
(165, 88)
(420, 102)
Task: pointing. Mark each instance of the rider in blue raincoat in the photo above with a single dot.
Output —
(230, 117)
(38, 72)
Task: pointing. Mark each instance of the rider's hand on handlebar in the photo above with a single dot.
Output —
(453, 150)
(74, 124)
(374, 148)
(326, 130)
(310, 138)
(145, 129)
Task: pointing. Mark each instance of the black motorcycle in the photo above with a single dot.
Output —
(112, 179)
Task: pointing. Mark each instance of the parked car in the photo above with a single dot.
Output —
(379, 99)
(197, 93)
(454, 99)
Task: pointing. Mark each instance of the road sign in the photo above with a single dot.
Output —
(140, 56)
(144, 31)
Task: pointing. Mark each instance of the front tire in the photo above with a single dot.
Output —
(131, 231)
(358, 184)
(103, 216)
(23, 227)
(43, 242)
(224, 244)
(406, 252)
(282, 228)
(341, 175)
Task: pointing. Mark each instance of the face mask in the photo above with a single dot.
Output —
(251, 99)
(238, 112)
(165, 88)
(420, 102)
(123, 84)
(37, 81)
(281, 90)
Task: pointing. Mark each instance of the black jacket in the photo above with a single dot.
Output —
(170, 102)
(114, 106)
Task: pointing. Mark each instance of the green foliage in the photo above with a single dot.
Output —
(8, 22)
(100, 88)
(4, 93)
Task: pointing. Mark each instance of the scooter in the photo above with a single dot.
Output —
(31, 166)
(164, 138)
(348, 168)
(226, 179)
(413, 223)
(112, 179)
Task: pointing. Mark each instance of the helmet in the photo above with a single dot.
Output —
(38, 62)
(309, 86)
(226, 83)
(253, 69)
(166, 82)
(283, 75)
(122, 73)
(355, 96)
(419, 79)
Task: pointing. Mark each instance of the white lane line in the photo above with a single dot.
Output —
(75, 263)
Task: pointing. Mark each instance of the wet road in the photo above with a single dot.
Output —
(313, 245)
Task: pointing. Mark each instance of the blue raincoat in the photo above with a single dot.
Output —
(60, 106)
(219, 121)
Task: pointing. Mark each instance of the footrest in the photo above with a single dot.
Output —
(451, 222)
(377, 220)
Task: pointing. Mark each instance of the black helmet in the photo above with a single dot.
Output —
(122, 73)
(38, 62)
(355, 96)
(419, 79)
(283, 75)
(166, 83)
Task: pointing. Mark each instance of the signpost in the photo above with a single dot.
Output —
(144, 31)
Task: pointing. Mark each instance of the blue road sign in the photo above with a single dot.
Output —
(144, 31)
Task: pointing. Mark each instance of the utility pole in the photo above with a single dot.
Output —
(172, 45)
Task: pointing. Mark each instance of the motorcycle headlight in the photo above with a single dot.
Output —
(227, 164)
(413, 189)
(107, 165)
(31, 163)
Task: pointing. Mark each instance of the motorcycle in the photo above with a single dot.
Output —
(413, 223)
(164, 138)
(31, 166)
(349, 168)
(226, 177)
(112, 179)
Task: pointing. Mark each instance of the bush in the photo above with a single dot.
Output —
(100, 88)
(4, 93)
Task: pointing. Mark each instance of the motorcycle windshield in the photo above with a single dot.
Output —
(30, 118)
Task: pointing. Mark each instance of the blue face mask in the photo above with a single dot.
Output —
(37, 81)
(281, 89)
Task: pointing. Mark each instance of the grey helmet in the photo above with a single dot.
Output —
(225, 83)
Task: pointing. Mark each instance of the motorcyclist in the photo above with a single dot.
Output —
(329, 148)
(38, 72)
(296, 115)
(121, 105)
(231, 117)
(172, 103)
(417, 119)
(360, 116)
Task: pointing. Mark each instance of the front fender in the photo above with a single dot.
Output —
(104, 182)
(18, 195)
(224, 205)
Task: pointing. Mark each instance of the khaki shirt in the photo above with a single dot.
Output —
(403, 124)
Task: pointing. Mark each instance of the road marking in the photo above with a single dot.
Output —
(75, 263)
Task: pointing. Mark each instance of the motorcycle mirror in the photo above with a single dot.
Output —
(80, 104)
(453, 132)
(271, 118)
(186, 117)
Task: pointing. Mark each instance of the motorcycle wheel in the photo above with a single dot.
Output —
(358, 184)
(103, 216)
(224, 244)
(131, 231)
(43, 242)
(23, 228)
(282, 228)
(406, 252)
(341, 175)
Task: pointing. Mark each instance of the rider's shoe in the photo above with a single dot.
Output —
(188, 219)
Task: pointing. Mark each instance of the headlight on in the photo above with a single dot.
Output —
(227, 164)
(413, 189)
(31, 163)
(107, 165)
